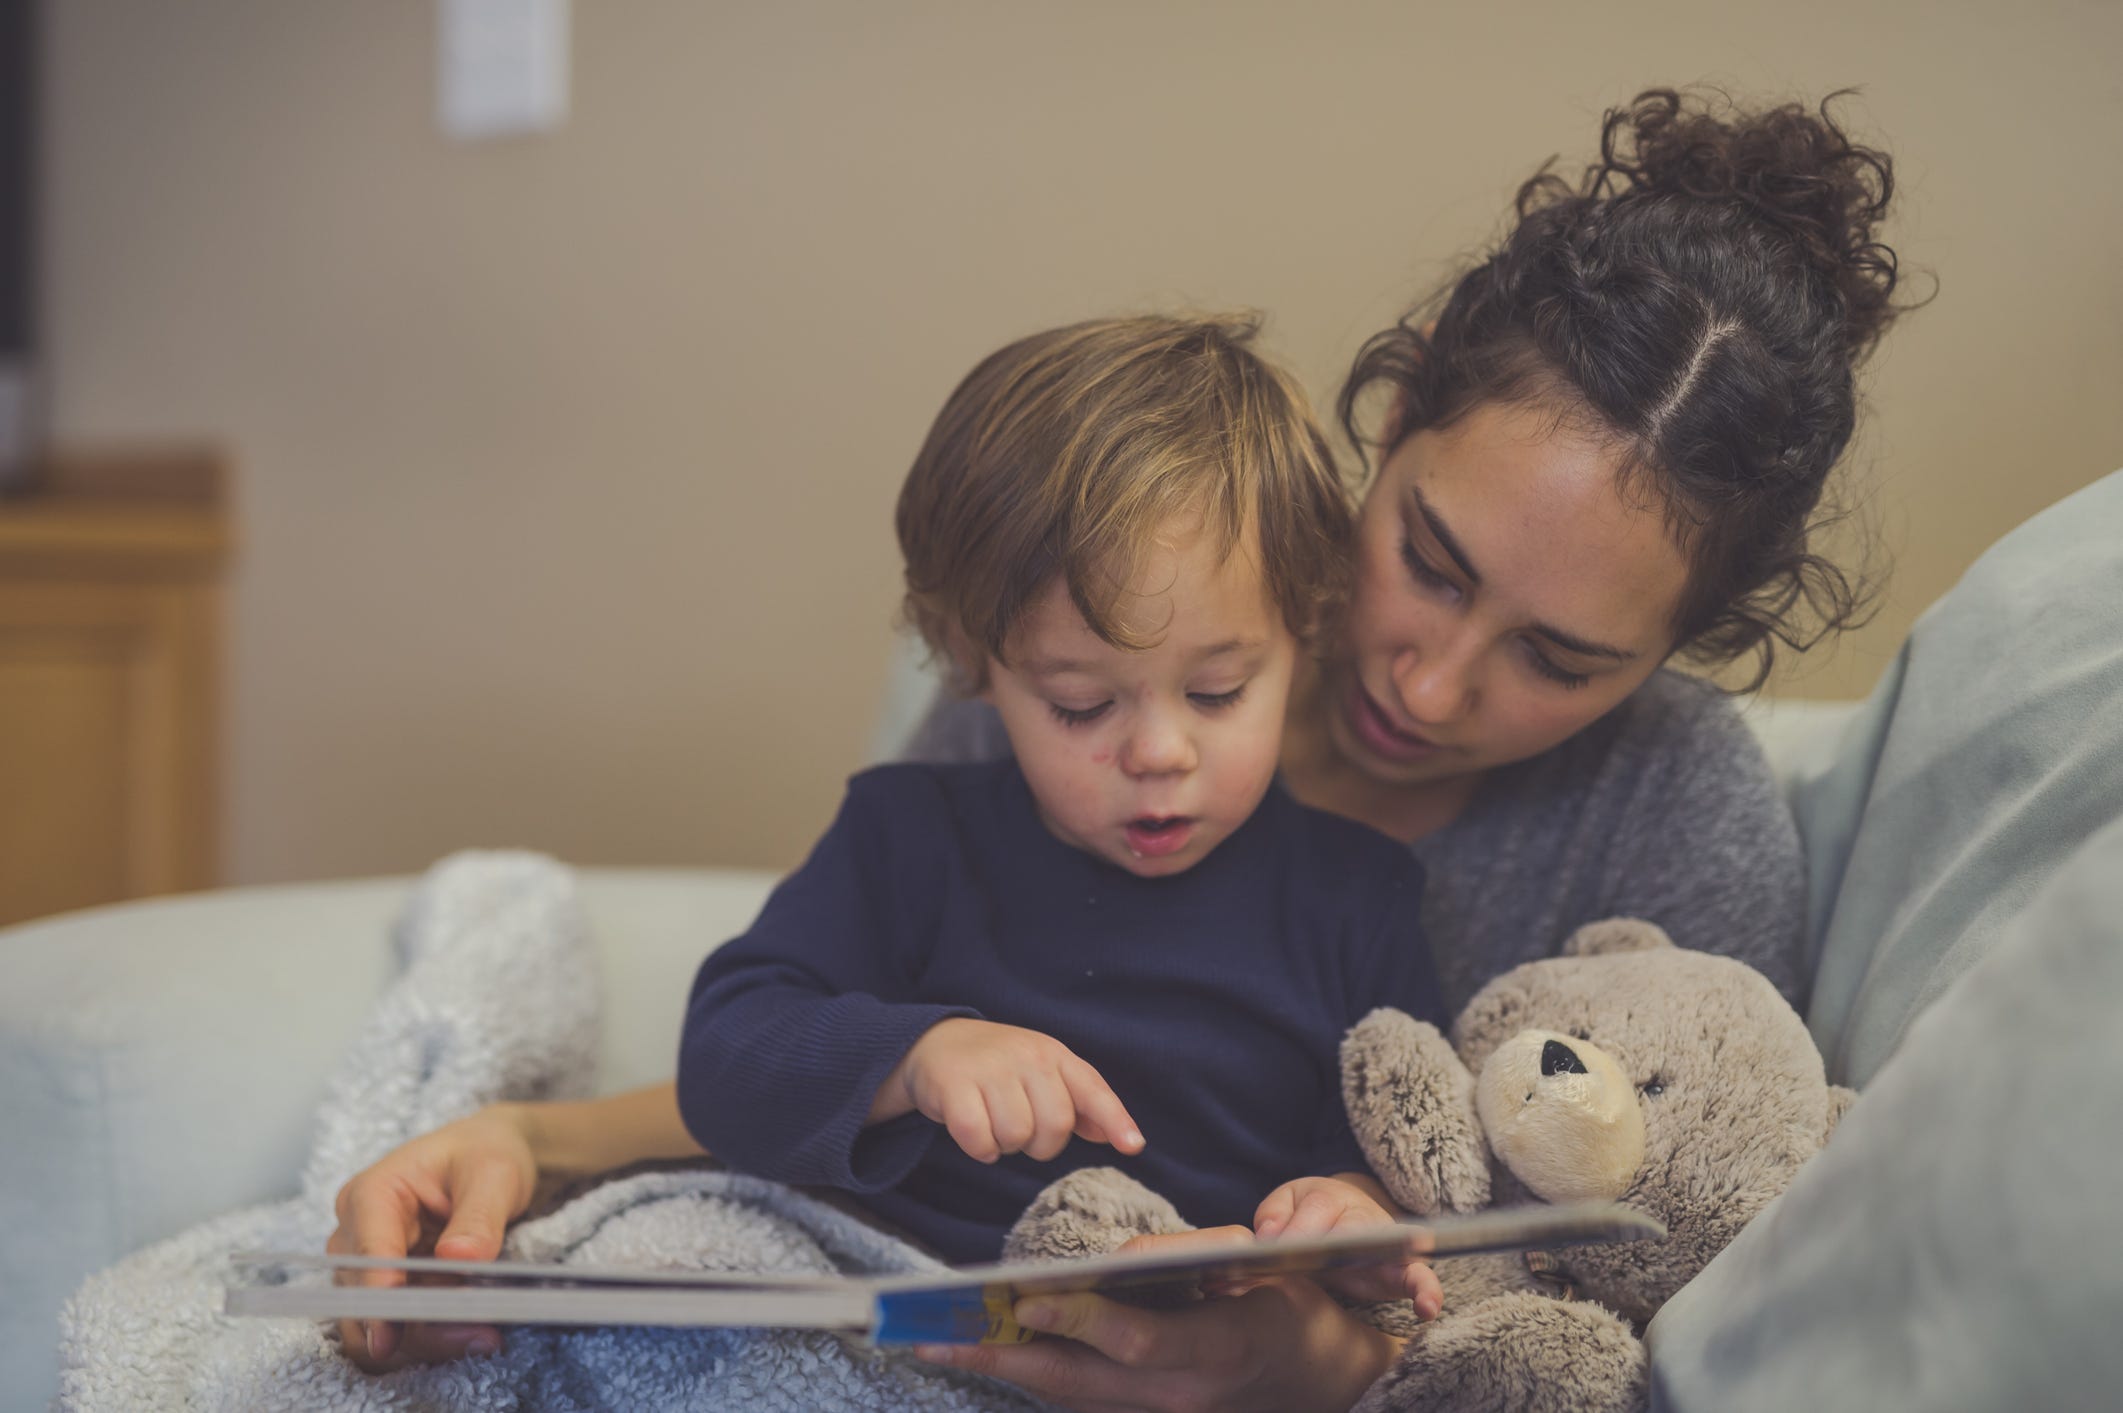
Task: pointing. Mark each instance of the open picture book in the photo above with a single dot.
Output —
(962, 1305)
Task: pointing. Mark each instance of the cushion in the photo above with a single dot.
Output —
(1990, 750)
(1949, 1248)
(1966, 891)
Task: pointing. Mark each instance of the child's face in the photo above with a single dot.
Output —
(1151, 759)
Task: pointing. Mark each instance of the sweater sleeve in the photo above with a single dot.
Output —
(792, 1027)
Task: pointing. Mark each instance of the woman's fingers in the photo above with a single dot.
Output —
(441, 1344)
(377, 1217)
(1115, 1357)
(485, 1196)
(1059, 1372)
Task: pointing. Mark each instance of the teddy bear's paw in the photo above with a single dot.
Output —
(1519, 1352)
(1090, 1212)
(1411, 1104)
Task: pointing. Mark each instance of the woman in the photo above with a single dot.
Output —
(1602, 447)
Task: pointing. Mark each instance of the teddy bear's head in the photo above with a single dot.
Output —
(1678, 1082)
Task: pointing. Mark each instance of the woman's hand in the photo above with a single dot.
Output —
(449, 1193)
(1284, 1346)
(454, 1191)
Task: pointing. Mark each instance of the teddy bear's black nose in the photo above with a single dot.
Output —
(1558, 1058)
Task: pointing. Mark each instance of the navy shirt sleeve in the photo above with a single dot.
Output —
(792, 1027)
(1388, 964)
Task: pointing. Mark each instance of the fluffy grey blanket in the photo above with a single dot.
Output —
(496, 999)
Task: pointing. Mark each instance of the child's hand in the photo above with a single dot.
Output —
(1314, 1206)
(1003, 1089)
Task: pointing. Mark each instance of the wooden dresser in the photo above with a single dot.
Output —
(110, 680)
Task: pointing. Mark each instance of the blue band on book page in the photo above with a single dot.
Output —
(967, 1314)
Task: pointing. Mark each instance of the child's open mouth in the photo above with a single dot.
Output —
(1155, 837)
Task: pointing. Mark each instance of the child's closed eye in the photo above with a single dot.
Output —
(1078, 716)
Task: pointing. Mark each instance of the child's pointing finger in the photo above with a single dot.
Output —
(1100, 1115)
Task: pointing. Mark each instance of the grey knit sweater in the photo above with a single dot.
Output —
(1662, 809)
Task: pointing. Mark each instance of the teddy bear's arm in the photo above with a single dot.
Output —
(1411, 1103)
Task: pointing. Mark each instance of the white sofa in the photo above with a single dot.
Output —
(160, 1062)
(1963, 828)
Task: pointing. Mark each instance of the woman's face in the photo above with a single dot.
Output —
(1507, 595)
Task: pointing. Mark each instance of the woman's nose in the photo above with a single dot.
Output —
(1436, 688)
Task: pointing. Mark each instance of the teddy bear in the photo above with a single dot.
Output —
(1679, 1083)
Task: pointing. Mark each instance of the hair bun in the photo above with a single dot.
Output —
(1793, 167)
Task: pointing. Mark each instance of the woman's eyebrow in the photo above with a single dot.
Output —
(1442, 533)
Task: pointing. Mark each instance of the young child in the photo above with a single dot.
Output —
(1125, 944)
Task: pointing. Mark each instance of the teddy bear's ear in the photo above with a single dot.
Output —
(1615, 934)
(1840, 1098)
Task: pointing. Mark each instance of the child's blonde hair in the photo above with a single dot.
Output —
(1065, 454)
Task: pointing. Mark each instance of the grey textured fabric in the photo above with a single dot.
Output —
(1664, 809)
(1992, 747)
(1953, 1248)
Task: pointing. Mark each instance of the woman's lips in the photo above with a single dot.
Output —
(1380, 735)
(1155, 838)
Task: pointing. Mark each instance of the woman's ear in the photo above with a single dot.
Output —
(1397, 410)
(1389, 427)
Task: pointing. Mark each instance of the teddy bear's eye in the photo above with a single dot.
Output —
(1652, 1087)
(1581, 1034)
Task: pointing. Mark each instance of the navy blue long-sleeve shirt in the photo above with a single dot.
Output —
(1212, 1001)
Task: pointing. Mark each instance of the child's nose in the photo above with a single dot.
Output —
(1160, 746)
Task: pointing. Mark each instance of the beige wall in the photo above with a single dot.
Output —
(567, 463)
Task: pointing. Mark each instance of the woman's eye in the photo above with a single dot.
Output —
(1562, 677)
(1078, 716)
(1423, 572)
(1217, 701)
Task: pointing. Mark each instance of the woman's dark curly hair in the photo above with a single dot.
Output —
(1704, 292)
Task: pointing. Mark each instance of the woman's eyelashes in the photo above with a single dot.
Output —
(1561, 676)
(1204, 701)
(1430, 577)
(1424, 572)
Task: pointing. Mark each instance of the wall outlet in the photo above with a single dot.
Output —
(502, 66)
